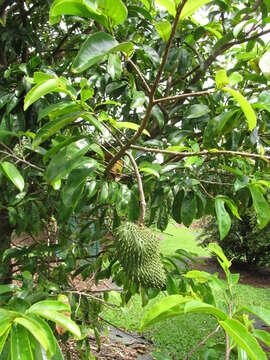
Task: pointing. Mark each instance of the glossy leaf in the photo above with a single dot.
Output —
(260, 312)
(200, 307)
(51, 305)
(262, 336)
(168, 307)
(3, 339)
(95, 48)
(177, 203)
(13, 174)
(20, 346)
(221, 79)
(132, 126)
(191, 6)
(74, 186)
(36, 330)
(169, 5)
(245, 106)
(188, 208)
(83, 8)
(164, 29)
(243, 338)
(4, 289)
(59, 319)
(114, 9)
(223, 218)
(43, 89)
(53, 126)
(260, 205)
(67, 159)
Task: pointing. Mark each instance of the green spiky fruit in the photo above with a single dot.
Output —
(138, 253)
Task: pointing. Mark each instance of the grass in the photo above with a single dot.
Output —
(181, 237)
(175, 337)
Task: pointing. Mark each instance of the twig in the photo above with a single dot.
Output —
(22, 160)
(192, 351)
(202, 153)
(140, 187)
(138, 71)
(184, 96)
(92, 297)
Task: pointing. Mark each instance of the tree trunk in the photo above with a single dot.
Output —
(5, 241)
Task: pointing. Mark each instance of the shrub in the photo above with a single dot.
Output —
(245, 241)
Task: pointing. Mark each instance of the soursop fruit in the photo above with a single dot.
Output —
(138, 252)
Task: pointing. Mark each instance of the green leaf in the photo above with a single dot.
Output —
(191, 6)
(221, 79)
(72, 191)
(245, 106)
(3, 339)
(198, 110)
(59, 319)
(169, 5)
(230, 204)
(177, 203)
(67, 159)
(53, 126)
(132, 126)
(243, 338)
(150, 168)
(13, 174)
(217, 250)
(223, 218)
(235, 78)
(138, 99)
(20, 347)
(42, 89)
(50, 305)
(4, 289)
(59, 108)
(262, 313)
(58, 354)
(114, 67)
(188, 208)
(83, 8)
(195, 306)
(263, 336)
(36, 330)
(114, 9)
(95, 122)
(260, 205)
(168, 307)
(164, 29)
(95, 48)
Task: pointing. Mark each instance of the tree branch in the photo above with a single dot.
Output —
(209, 153)
(140, 187)
(184, 96)
(221, 50)
(146, 118)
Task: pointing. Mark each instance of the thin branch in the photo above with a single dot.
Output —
(22, 160)
(203, 342)
(139, 73)
(184, 96)
(202, 153)
(93, 297)
(140, 187)
(146, 118)
(221, 50)
(168, 46)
